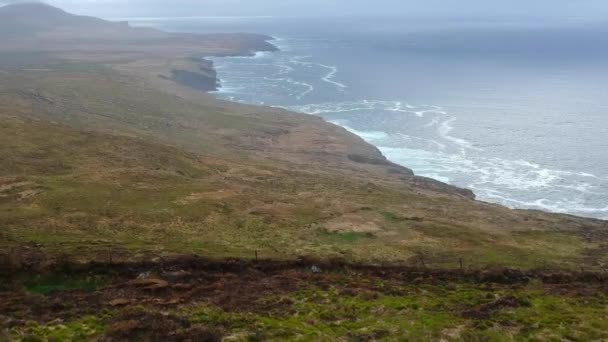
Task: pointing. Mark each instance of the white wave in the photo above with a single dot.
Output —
(260, 54)
(300, 60)
(284, 69)
(560, 206)
(369, 136)
(329, 77)
(444, 131)
(355, 106)
(585, 174)
(513, 183)
(422, 113)
(254, 55)
(513, 175)
(282, 43)
(524, 175)
(424, 163)
(309, 87)
(395, 106)
(432, 123)
(222, 89)
(246, 63)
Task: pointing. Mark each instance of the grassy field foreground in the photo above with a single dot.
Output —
(198, 300)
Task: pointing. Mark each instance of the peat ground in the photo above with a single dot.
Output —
(192, 298)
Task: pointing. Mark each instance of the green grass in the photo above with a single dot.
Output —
(84, 329)
(391, 217)
(347, 307)
(344, 238)
(137, 190)
(48, 284)
(428, 312)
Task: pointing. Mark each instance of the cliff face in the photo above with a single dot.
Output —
(206, 81)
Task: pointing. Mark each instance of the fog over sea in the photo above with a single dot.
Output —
(514, 110)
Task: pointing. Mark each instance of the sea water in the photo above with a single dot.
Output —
(514, 109)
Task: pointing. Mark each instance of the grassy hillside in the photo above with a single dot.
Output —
(176, 216)
(79, 195)
(104, 154)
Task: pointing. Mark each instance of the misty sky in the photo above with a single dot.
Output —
(594, 9)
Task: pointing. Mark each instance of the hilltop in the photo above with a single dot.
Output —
(35, 16)
(124, 185)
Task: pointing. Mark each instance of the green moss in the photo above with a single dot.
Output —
(208, 315)
(329, 315)
(429, 312)
(84, 329)
(547, 317)
(382, 310)
(49, 284)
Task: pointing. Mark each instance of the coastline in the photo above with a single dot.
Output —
(203, 76)
(382, 160)
(512, 200)
(176, 215)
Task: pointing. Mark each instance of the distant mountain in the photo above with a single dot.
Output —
(38, 26)
(38, 16)
(33, 19)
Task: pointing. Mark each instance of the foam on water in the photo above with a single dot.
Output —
(362, 105)
(444, 130)
(422, 137)
(329, 77)
(369, 136)
(308, 88)
(513, 183)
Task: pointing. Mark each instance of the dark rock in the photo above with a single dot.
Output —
(195, 80)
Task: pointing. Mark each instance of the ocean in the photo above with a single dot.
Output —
(514, 109)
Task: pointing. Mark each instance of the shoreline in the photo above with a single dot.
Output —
(427, 182)
(204, 77)
(572, 212)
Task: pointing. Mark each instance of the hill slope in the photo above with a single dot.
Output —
(79, 194)
(124, 187)
(105, 153)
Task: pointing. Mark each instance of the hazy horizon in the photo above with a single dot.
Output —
(542, 9)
